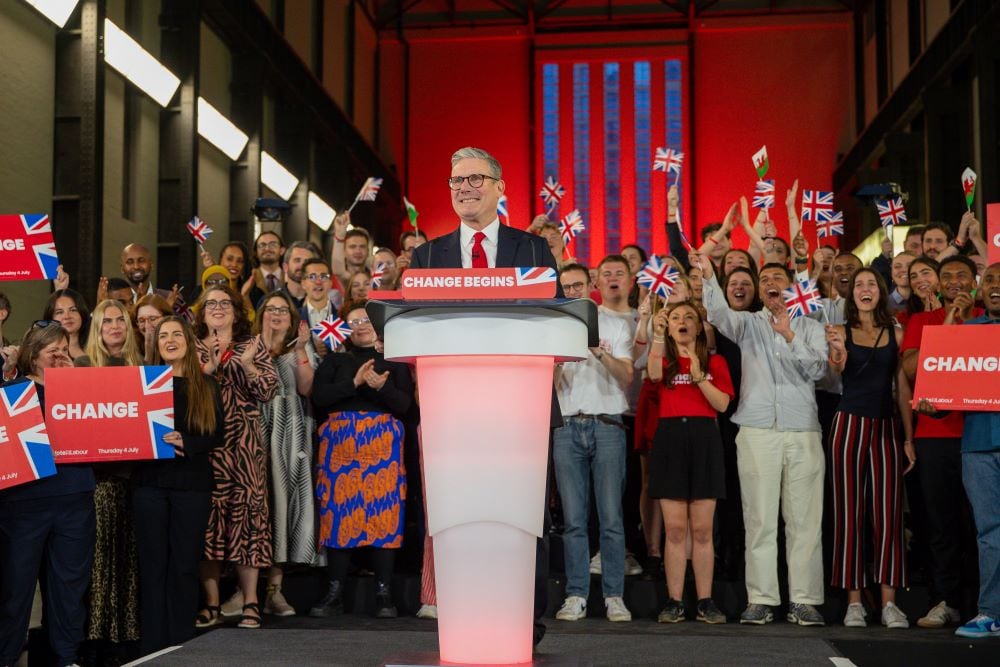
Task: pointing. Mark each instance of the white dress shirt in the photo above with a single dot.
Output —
(466, 240)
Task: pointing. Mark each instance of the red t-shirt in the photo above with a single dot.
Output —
(928, 427)
(684, 399)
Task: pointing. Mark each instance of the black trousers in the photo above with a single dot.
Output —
(946, 509)
(170, 536)
(53, 537)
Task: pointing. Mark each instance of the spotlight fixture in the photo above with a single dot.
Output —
(57, 11)
(320, 213)
(219, 131)
(137, 65)
(276, 177)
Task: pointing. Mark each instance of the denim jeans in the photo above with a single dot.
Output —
(981, 477)
(587, 447)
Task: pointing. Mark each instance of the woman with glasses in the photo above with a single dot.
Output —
(218, 275)
(288, 429)
(361, 480)
(69, 308)
(170, 498)
(239, 526)
(146, 314)
(47, 527)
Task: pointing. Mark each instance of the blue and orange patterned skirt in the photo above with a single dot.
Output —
(361, 481)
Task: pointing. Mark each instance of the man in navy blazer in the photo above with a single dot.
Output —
(476, 186)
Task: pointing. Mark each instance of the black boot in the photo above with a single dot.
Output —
(331, 604)
(384, 608)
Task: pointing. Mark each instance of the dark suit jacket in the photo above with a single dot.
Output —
(515, 248)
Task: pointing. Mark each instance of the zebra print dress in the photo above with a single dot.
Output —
(239, 524)
(288, 430)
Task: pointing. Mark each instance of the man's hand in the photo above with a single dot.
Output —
(340, 224)
(962, 302)
(972, 227)
(790, 195)
(102, 289)
(536, 223)
(781, 323)
(62, 279)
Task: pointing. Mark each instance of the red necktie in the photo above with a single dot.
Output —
(478, 253)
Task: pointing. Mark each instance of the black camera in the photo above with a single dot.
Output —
(869, 195)
(270, 210)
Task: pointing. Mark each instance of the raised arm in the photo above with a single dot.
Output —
(338, 262)
(728, 321)
(674, 241)
(791, 204)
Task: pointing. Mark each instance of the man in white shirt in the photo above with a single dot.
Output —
(591, 444)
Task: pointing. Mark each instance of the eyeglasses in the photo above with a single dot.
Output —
(316, 277)
(574, 286)
(276, 310)
(217, 281)
(222, 304)
(268, 244)
(475, 180)
(354, 324)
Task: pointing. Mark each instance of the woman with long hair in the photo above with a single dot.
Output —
(46, 528)
(69, 309)
(865, 449)
(361, 480)
(147, 313)
(239, 526)
(288, 428)
(111, 340)
(171, 497)
(686, 465)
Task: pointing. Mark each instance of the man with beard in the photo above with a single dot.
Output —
(295, 259)
(938, 445)
(136, 266)
(268, 249)
(318, 305)
(351, 249)
(779, 453)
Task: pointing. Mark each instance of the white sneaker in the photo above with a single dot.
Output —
(427, 611)
(632, 567)
(893, 617)
(617, 611)
(573, 609)
(939, 616)
(855, 616)
(234, 605)
(595, 564)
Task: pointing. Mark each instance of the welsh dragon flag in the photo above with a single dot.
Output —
(411, 212)
(969, 186)
(760, 162)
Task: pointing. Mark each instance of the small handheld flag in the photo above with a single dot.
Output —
(830, 225)
(891, 211)
(368, 192)
(815, 203)
(803, 298)
(760, 162)
(502, 210)
(411, 212)
(763, 196)
(377, 274)
(571, 225)
(552, 191)
(668, 160)
(658, 277)
(969, 186)
(332, 331)
(199, 230)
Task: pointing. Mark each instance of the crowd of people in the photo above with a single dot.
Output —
(703, 417)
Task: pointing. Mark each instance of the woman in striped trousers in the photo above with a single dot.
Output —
(866, 459)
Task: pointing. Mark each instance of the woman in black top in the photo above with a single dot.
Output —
(361, 480)
(171, 497)
(46, 526)
(865, 452)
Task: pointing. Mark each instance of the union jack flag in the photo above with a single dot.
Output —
(535, 275)
(571, 225)
(668, 160)
(36, 224)
(502, 210)
(181, 309)
(803, 298)
(763, 194)
(377, 274)
(159, 380)
(199, 230)
(332, 331)
(370, 189)
(815, 204)
(891, 211)
(830, 225)
(658, 277)
(552, 191)
(21, 414)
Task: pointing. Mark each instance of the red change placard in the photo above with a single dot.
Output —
(117, 413)
(959, 368)
(25, 454)
(27, 251)
(476, 284)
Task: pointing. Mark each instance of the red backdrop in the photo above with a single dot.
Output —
(781, 82)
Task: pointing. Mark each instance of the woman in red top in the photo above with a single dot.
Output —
(687, 472)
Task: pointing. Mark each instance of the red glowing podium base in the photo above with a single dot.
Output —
(484, 373)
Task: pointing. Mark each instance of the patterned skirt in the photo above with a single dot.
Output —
(114, 579)
(361, 481)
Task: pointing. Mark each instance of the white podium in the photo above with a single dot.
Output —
(484, 376)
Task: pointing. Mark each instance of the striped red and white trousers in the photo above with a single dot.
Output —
(866, 460)
(428, 592)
